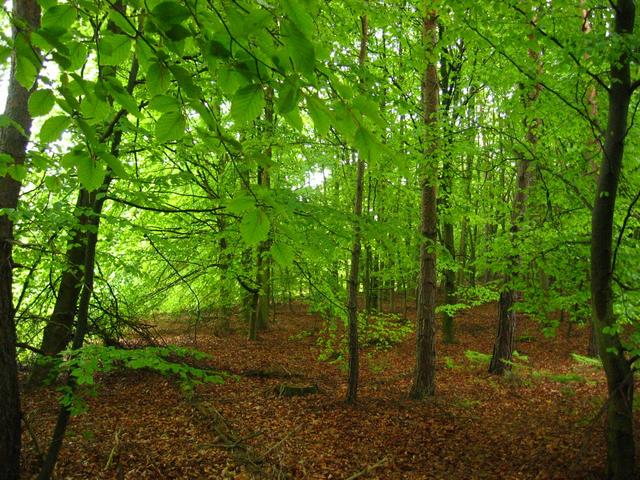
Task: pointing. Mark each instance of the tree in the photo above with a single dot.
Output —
(353, 284)
(14, 136)
(505, 337)
(424, 374)
(620, 375)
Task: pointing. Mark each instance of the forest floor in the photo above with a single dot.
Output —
(543, 422)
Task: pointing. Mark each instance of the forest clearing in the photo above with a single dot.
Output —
(319, 239)
(542, 422)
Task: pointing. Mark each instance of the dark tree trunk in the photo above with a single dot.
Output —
(620, 380)
(58, 330)
(504, 344)
(352, 307)
(352, 302)
(62, 421)
(448, 330)
(13, 143)
(503, 348)
(263, 278)
(425, 370)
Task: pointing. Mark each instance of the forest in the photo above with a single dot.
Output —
(278, 239)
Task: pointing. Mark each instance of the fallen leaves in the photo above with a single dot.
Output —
(478, 426)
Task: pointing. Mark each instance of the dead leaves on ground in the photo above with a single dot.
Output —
(478, 426)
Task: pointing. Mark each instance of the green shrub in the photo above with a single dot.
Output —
(85, 363)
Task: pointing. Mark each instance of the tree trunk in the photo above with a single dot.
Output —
(263, 278)
(14, 143)
(62, 421)
(425, 370)
(449, 286)
(352, 303)
(504, 344)
(58, 330)
(620, 381)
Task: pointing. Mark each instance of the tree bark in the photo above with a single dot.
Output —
(13, 143)
(263, 277)
(352, 303)
(62, 421)
(425, 370)
(620, 381)
(59, 329)
(504, 344)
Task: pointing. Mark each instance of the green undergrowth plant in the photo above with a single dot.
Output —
(379, 331)
(469, 297)
(84, 364)
(521, 373)
(383, 330)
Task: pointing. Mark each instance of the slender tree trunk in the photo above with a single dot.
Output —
(78, 340)
(14, 143)
(591, 154)
(352, 303)
(620, 380)
(448, 327)
(425, 370)
(263, 278)
(58, 330)
(505, 341)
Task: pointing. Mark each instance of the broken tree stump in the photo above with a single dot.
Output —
(289, 390)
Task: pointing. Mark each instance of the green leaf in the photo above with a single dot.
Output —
(229, 80)
(217, 49)
(288, 97)
(17, 171)
(158, 79)
(320, 114)
(170, 126)
(95, 110)
(58, 18)
(121, 96)
(366, 143)
(27, 63)
(254, 227)
(114, 163)
(293, 118)
(177, 33)
(41, 102)
(164, 103)
(247, 103)
(370, 109)
(170, 13)
(241, 204)
(121, 21)
(185, 81)
(52, 183)
(53, 128)
(90, 173)
(298, 13)
(300, 49)
(114, 49)
(282, 254)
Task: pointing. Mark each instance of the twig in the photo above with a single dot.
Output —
(114, 449)
(240, 441)
(26, 346)
(277, 444)
(369, 469)
(36, 445)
